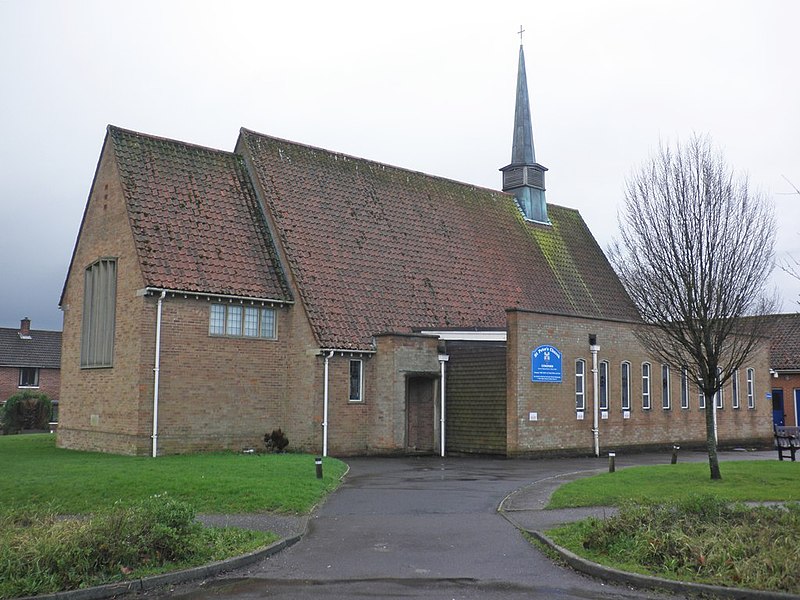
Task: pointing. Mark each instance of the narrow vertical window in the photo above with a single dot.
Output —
(735, 389)
(701, 403)
(751, 398)
(666, 400)
(99, 308)
(233, 325)
(684, 388)
(603, 385)
(625, 380)
(216, 321)
(580, 382)
(646, 386)
(720, 395)
(356, 380)
(251, 321)
(268, 323)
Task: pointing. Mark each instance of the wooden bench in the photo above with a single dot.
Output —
(787, 439)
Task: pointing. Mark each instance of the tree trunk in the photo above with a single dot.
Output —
(711, 438)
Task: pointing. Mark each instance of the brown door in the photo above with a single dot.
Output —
(419, 408)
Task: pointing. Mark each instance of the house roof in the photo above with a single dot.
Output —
(375, 248)
(785, 342)
(42, 350)
(195, 219)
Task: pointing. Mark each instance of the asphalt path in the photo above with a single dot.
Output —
(428, 528)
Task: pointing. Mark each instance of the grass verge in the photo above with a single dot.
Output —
(41, 552)
(38, 476)
(758, 481)
(701, 539)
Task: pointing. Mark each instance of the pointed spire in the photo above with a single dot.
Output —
(522, 152)
(524, 176)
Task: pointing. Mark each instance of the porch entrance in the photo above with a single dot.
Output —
(420, 414)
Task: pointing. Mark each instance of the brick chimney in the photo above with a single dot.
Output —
(25, 328)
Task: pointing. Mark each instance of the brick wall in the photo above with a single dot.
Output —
(559, 430)
(100, 409)
(49, 383)
(788, 383)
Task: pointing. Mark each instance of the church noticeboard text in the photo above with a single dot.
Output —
(546, 364)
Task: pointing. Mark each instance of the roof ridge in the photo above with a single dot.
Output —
(375, 162)
(114, 130)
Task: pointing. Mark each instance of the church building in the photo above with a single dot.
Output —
(214, 296)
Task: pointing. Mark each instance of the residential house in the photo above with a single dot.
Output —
(30, 359)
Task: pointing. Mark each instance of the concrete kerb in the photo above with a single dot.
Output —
(537, 499)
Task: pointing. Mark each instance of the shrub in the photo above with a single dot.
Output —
(40, 552)
(26, 410)
(276, 441)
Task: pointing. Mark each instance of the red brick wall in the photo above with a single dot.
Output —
(788, 383)
(49, 383)
(558, 429)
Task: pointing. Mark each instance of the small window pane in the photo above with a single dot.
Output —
(216, 321)
(268, 323)
(233, 326)
(251, 321)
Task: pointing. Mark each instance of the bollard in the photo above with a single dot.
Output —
(675, 454)
(318, 462)
(611, 457)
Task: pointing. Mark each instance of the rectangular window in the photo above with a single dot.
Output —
(666, 400)
(720, 395)
(735, 389)
(751, 398)
(99, 307)
(603, 385)
(580, 376)
(29, 377)
(684, 388)
(233, 324)
(251, 321)
(238, 321)
(356, 380)
(216, 321)
(701, 403)
(625, 392)
(646, 386)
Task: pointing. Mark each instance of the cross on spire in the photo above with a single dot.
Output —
(520, 32)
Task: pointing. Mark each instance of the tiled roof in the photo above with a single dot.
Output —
(195, 218)
(785, 342)
(379, 249)
(43, 350)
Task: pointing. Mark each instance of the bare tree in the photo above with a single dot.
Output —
(695, 251)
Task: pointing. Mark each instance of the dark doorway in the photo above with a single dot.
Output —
(778, 416)
(420, 411)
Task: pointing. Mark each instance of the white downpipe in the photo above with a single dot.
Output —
(325, 407)
(596, 426)
(443, 358)
(156, 370)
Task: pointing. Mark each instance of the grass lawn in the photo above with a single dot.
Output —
(741, 481)
(35, 474)
(675, 522)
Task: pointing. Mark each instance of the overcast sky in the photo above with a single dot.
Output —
(427, 86)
